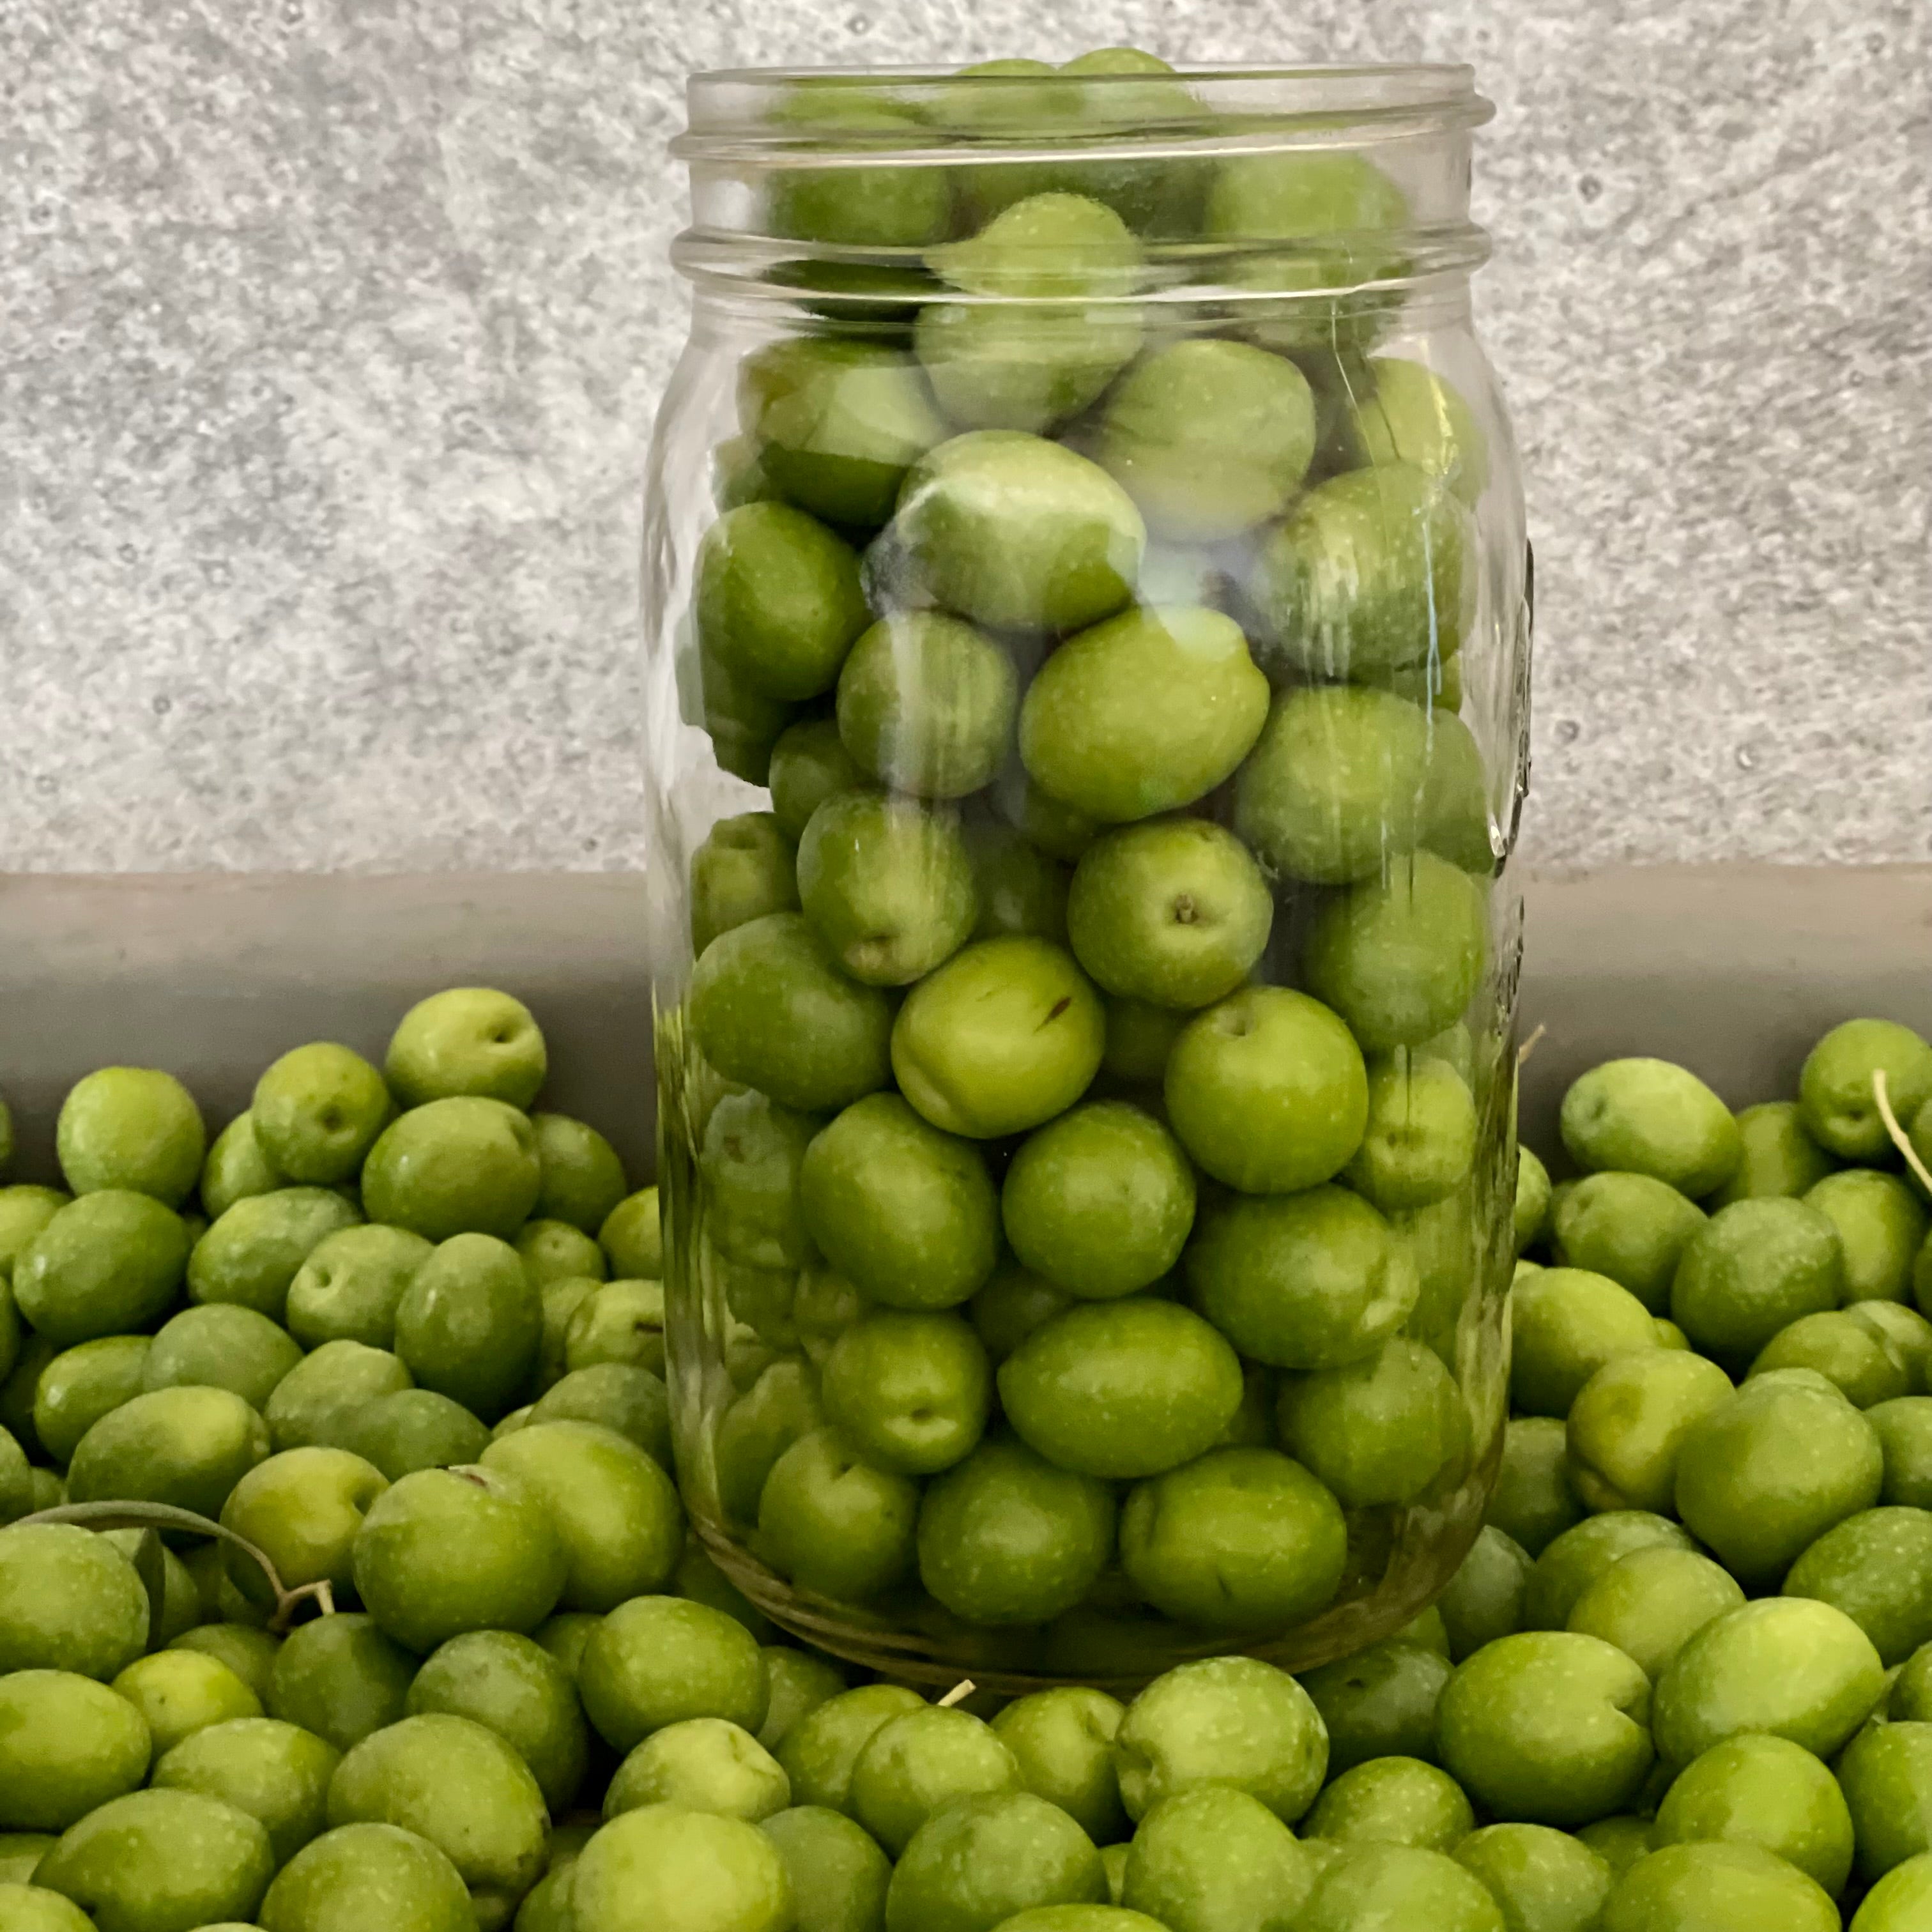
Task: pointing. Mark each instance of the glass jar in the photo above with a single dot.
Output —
(1088, 631)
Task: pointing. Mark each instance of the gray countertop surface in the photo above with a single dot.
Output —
(331, 332)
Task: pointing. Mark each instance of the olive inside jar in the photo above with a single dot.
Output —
(1089, 654)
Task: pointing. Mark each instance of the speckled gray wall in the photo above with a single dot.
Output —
(330, 330)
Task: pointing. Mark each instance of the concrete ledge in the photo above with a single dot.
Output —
(1733, 969)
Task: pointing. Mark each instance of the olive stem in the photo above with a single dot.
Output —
(322, 1593)
(957, 1694)
(1900, 1139)
(150, 1565)
(1528, 1046)
(166, 1516)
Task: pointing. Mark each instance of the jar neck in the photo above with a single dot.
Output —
(1229, 183)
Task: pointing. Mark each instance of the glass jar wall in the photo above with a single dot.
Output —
(1086, 604)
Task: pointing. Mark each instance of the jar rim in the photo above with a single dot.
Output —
(736, 112)
(1437, 76)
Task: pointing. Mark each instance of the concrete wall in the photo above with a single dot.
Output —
(331, 331)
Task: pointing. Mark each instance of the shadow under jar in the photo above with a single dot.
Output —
(1089, 658)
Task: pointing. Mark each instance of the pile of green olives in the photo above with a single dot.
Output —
(1089, 1102)
(1695, 1635)
(384, 1359)
(1682, 1681)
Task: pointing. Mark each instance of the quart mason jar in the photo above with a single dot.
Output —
(1088, 635)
